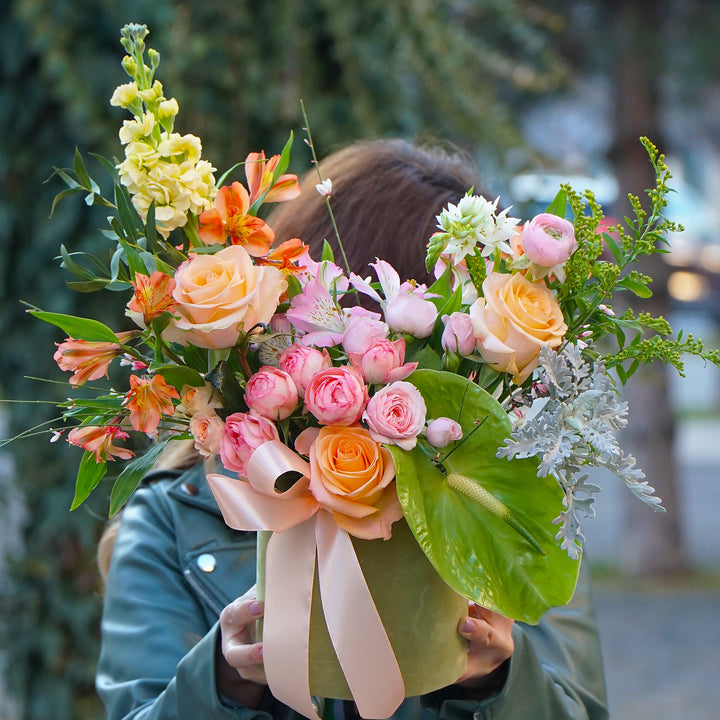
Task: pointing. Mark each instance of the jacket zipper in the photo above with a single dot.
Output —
(200, 590)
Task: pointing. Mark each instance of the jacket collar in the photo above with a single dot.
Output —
(191, 488)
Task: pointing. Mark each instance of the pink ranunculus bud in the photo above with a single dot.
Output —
(442, 431)
(362, 329)
(244, 433)
(383, 362)
(207, 431)
(458, 335)
(336, 396)
(301, 363)
(411, 313)
(548, 240)
(395, 415)
(272, 393)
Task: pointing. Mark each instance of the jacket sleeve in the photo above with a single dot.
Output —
(157, 660)
(555, 672)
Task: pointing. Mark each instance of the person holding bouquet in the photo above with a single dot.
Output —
(178, 625)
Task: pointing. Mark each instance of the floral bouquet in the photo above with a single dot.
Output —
(433, 448)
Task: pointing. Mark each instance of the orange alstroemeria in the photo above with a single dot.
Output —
(153, 295)
(88, 360)
(229, 218)
(259, 174)
(285, 256)
(99, 440)
(148, 400)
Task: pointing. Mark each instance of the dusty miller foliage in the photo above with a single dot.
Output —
(575, 429)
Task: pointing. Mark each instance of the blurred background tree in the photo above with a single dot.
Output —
(238, 69)
(504, 79)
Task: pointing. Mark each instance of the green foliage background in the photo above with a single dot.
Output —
(238, 69)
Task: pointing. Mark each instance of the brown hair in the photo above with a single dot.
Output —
(385, 196)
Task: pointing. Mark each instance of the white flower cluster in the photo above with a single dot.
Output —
(161, 166)
(474, 221)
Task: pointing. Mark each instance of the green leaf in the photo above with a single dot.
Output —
(559, 204)
(81, 171)
(635, 287)
(294, 287)
(87, 286)
(108, 165)
(132, 476)
(609, 240)
(284, 161)
(72, 267)
(127, 214)
(427, 358)
(77, 327)
(221, 180)
(500, 550)
(327, 252)
(134, 260)
(150, 229)
(177, 376)
(223, 379)
(90, 473)
(63, 194)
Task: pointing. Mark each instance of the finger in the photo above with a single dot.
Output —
(240, 613)
(488, 646)
(246, 658)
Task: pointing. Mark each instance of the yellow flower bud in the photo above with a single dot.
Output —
(129, 65)
(152, 94)
(168, 109)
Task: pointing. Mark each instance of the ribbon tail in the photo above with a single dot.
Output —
(356, 630)
(290, 573)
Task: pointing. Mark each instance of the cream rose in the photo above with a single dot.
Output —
(352, 477)
(221, 295)
(513, 320)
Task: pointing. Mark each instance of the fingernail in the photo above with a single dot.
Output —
(260, 653)
(255, 608)
(468, 625)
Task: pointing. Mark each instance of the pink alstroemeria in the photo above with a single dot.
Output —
(230, 217)
(405, 305)
(315, 313)
(259, 173)
(88, 360)
(148, 400)
(99, 440)
(362, 328)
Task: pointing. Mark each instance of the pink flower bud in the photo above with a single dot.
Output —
(411, 313)
(244, 433)
(442, 431)
(548, 240)
(458, 335)
(301, 363)
(272, 393)
(383, 361)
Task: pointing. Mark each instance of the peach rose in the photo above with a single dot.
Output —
(220, 295)
(513, 320)
(207, 431)
(352, 477)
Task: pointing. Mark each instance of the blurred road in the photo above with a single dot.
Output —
(661, 642)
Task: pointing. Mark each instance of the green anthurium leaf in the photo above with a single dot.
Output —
(486, 524)
(77, 327)
(90, 473)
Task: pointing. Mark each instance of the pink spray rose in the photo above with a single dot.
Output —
(383, 361)
(244, 433)
(271, 392)
(548, 240)
(395, 415)
(301, 363)
(336, 396)
(458, 336)
(442, 431)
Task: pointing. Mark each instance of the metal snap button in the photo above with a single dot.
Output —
(190, 489)
(206, 562)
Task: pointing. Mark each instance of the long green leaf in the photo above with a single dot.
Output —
(132, 476)
(77, 327)
(90, 473)
(486, 524)
(559, 204)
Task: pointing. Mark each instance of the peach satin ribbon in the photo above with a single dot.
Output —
(303, 534)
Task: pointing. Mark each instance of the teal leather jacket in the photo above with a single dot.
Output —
(176, 565)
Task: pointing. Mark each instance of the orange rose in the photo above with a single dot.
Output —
(352, 477)
(220, 295)
(513, 320)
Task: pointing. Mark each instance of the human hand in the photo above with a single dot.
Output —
(490, 644)
(239, 671)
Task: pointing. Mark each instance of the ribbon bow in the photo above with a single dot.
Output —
(303, 534)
